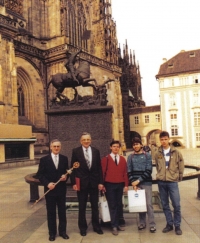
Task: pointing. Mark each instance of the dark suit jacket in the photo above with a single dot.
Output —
(47, 173)
(91, 177)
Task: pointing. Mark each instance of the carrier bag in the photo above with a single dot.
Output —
(104, 209)
(137, 201)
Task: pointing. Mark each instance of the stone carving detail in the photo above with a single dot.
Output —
(15, 6)
(44, 54)
(8, 21)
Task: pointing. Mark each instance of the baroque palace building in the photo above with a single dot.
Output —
(179, 84)
(35, 38)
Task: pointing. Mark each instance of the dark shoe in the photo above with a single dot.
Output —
(121, 228)
(98, 231)
(51, 237)
(114, 231)
(178, 230)
(141, 226)
(153, 229)
(83, 232)
(167, 228)
(64, 236)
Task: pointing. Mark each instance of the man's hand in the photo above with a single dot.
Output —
(75, 187)
(63, 178)
(125, 189)
(100, 187)
(51, 185)
(135, 183)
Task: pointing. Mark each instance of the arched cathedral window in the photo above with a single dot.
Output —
(20, 96)
(74, 23)
(25, 95)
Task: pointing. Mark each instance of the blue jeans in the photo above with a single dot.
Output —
(170, 190)
(114, 192)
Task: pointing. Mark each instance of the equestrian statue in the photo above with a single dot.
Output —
(75, 77)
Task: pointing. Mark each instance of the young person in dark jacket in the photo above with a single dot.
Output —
(114, 170)
(139, 165)
(52, 168)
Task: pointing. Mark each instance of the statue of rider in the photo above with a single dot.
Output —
(69, 65)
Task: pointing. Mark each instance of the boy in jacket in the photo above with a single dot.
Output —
(170, 167)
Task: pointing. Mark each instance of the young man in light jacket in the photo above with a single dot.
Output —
(170, 167)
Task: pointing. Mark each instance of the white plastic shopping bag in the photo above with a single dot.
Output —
(104, 209)
(137, 201)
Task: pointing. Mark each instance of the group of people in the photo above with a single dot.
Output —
(111, 175)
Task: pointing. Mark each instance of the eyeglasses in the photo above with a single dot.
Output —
(56, 146)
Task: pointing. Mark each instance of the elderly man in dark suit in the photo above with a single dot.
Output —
(89, 174)
(52, 168)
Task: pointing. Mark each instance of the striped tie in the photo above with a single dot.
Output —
(87, 158)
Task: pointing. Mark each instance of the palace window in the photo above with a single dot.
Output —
(146, 119)
(197, 118)
(157, 116)
(198, 137)
(195, 79)
(195, 98)
(174, 130)
(136, 119)
(173, 117)
(172, 100)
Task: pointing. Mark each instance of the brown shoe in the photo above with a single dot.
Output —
(121, 228)
(114, 231)
(178, 230)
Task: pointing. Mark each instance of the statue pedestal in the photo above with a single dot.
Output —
(68, 123)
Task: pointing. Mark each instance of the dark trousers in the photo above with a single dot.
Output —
(94, 199)
(114, 192)
(51, 203)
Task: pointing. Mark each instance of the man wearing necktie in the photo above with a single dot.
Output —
(52, 168)
(114, 171)
(89, 174)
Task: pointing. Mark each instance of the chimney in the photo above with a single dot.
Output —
(164, 60)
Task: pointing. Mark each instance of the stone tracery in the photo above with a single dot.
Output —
(15, 6)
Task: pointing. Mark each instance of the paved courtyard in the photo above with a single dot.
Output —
(21, 223)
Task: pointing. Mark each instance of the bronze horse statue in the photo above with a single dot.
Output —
(65, 80)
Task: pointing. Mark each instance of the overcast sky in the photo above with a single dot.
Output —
(156, 29)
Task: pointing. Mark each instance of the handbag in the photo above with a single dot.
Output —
(137, 201)
(104, 209)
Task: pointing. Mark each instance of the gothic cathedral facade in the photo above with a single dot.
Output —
(35, 36)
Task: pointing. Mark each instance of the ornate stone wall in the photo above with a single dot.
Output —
(15, 6)
(37, 35)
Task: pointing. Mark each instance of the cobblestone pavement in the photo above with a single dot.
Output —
(20, 223)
